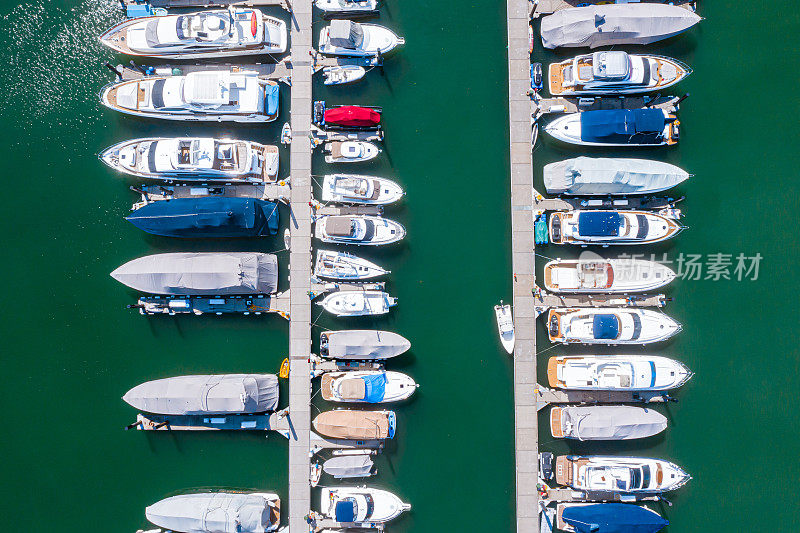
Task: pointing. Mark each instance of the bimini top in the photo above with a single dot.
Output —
(207, 217)
(605, 326)
(352, 115)
(620, 125)
(206, 394)
(214, 273)
(346, 34)
(347, 466)
(212, 513)
(612, 518)
(599, 224)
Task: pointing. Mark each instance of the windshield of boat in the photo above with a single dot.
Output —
(370, 506)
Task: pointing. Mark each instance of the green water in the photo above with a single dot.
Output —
(71, 349)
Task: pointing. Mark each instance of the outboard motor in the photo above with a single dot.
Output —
(546, 465)
(536, 77)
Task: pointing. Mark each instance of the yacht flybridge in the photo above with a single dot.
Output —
(361, 507)
(609, 326)
(627, 475)
(355, 189)
(205, 34)
(611, 227)
(348, 38)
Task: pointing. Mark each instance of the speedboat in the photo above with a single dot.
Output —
(614, 72)
(217, 512)
(342, 74)
(349, 151)
(205, 34)
(617, 127)
(633, 373)
(627, 475)
(360, 505)
(363, 344)
(212, 95)
(347, 6)
(356, 425)
(613, 276)
(354, 189)
(345, 267)
(505, 326)
(611, 227)
(587, 176)
(367, 386)
(194, 159)
(605, 422)
(608, 517)
(609, 326)
(364, 230)
(348, 38)
(358, 303)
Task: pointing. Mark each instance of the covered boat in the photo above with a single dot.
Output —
(344, 266)
(362, 505)
(355, 189)
(609, 326)
(616, 372)
(348, 466)
(341, 74)
(605, 422)
(589, 176)
(358, 303)
(198, 274)
(356, 425)
(608, 518)
(206, 394)
(366, 386)
(617, 127)
(348, 38)
(217, 512)
(611, 227)
(605, 25)
(362, 344)
(609, 276)
(366, 230)
(352, 116)
(626, 475)
(349, 151)
(207, 217)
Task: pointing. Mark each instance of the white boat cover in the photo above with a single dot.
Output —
(348, 466)
(612, 422)
(602, 25)
(206, 394)
(212, 513)
(201, 273)
(591, 176)
(365, 344)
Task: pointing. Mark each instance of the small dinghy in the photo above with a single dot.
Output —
(342, 74)
(618, 127)
(604, 25)
(607, 276)
(286, 133)
(217, 512)
(611, 227)
(347, 6)
(356, 425)
(608, 518)
(348, 38)
(605, 422)
(505, 326)
(363, 230)
(349, 151)
(349, 466)
(354, 189)
(367, 386)
(588, 176)
(206, 394)
(358, 303)
(345, 267)
(633, 373)
(362, 344)
(609, 326)
(626, 475)
(201, 274)
(351, 505)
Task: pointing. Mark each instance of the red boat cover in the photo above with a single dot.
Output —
(352, 115)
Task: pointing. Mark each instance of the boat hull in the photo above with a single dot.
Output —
(599, 325)
(646, 373)
(354, 303)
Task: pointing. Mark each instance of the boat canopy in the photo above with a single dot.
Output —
(350, 424)
(346, 510)
(208, 217)
(212, 513)
(365, 343)
(620, 125)
(374, 387)
(346, 34)
(348, 466)
(590, 175)
(612, 422)
(605, 326)
(352, 115)
(271, 99)
(599, 224)
(612, 518)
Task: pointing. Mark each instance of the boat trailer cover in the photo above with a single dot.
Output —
(212, 513)
(348, 466)
(612, 518)
(599, 224)
(605, 326)
(348, 424)
(366, 344)
(351, 115)
(619, 125)
(612, 422)
(605, 175)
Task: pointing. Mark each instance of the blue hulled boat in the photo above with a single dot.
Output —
(610, 518)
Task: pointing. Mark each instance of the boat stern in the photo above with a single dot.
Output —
(556, 427)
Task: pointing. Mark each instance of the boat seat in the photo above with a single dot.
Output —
(353, 389)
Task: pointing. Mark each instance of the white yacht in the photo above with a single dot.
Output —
(633, 373)
(352, 505)
(627, 475)
(611, 227)
(355, 189)
(602, 176)
(505, 326)
(611, 276)
(367, 386)
(617, 127)
(349, 151)
(345, 267)
(609, 326)
(364, 230)
(348, 38)
(358, 303)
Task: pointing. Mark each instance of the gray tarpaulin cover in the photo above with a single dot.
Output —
(603, 25)
(206, 394)
(600, 176)
(365, 344)
(347, 466)
(212, 513)
(611, 422)
(201, 273)
(345, 34)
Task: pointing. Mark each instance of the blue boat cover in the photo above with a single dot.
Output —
(605, 327)
(346, 510)
(613, 518)
(620, 125)
(207, 217)
(599, 224)
(271, 99)
(375, 387)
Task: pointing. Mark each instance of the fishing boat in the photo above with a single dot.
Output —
(626, 475)
(347, 6)
(505, 326)
(234, 95)
(351, 117)
(194, 159)
(342, 74)
(199, 274)
(605, 422)
(362, 344)
(358, 303)
(588, 176)
(609, 326)
(617, 127)
(355, 189)
(646, 373)
(206, 394)
(360, 505)
(363, 230)
(611, 227)
(204, 34)
(608, 276)
(605, 25)
(367, 386)
(349, 466)
(348, 38)
(345, 267)
(349, 151)
(608, 518)
(217, 512)
(356, 425)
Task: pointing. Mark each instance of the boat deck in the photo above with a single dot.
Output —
(573, 104)
(546, 7)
